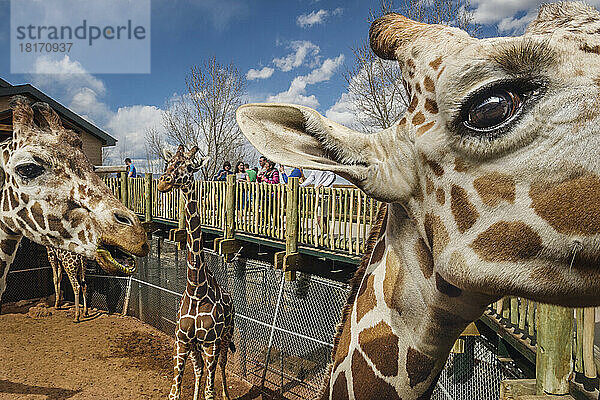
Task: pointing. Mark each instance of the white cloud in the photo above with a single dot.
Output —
(264, 73)
(303, 49)
(128, 125)
(342, 111)
(297, 90)
(503, 13)
(316, 17)
(67, 81)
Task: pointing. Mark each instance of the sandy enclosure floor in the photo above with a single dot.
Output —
(103, 357)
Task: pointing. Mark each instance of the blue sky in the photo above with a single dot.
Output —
(296, 48)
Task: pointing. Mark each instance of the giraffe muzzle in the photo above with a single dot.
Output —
(114, 260)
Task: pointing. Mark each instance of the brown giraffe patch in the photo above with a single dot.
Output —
(435, 64)
(418, 119)
(507, 241)
(425, 128)
(440, 73)
(436, 232)
(445, 287)
(418, 87)
(414, 102)
(23, 213)
(494, 188)
(418, 366)
(343, 346)
(440, 196)
(424, 257)
(428, 186)
(571, 207)
(402, 122)
(2, 267)
(411, 68)
(465, 213)
(419, 193)
(431, 106)
(428, 84)
(393, 278)
(340, 388)
(378, 343)
(435, 167)
(378, 251)
(366, 300)
(25, 198)
(366, 384)
(460, 165)
(8, 246)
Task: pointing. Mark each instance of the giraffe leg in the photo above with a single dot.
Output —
(198, 362)
(211, 357)
(228, 337)
(181, 352)
(76, 289)
(83, 285)
(55, 270)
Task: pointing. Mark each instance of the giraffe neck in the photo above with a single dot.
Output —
(402, 306)
(9, 238)
(197, 271)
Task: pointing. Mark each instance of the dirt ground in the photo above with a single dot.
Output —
(44, 355)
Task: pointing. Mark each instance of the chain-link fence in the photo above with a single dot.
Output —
(289, 323)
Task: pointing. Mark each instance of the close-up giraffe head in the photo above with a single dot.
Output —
(180, 168)
(495, 161)
(51, 195)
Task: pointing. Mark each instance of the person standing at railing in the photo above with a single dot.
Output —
(240, 172)
(131, 171)
(296, 173)
(262, 161)
(320, 179)
(271, 175)
(222, 174)
(251, 172)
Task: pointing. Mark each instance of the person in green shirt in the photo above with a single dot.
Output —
(251, 173)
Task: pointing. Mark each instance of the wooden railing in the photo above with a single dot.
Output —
(333, 219)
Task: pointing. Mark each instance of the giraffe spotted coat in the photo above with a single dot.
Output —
(74, 266)
(492, 179)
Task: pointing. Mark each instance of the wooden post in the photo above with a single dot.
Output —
(589, 367)
(148, 197)
(230, 207)
(124, 191)
(291, 229)
(554, 349)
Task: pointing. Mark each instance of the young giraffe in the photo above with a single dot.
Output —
(492, 184)
(205, 318)
(74, 266)
(50, 194)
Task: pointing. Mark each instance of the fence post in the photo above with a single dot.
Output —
(554, 349)
(227, 245)
(148, 197)
(124, 191)
(230, 207)
(291, 258)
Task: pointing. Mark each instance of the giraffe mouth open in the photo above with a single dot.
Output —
(114, 260)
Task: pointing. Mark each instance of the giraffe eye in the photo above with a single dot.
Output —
(493, 109)
(30, 170)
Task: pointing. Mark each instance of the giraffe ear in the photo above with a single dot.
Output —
(167, 154)
(22, 115)
(382, 164)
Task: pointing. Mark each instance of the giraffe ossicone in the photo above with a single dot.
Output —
(205, 322)
(492, 185)
(50, 194)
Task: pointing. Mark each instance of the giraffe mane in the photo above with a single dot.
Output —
(355, 282)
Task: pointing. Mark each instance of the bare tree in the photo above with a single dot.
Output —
(205, 117)
(375, 91)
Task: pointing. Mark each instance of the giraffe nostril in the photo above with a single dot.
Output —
(123, 219)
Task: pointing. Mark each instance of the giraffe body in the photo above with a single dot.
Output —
(204, 328)
(74, 267)
(50, 194)
(492, 180)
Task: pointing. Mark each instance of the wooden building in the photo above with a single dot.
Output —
(93, 138)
